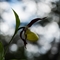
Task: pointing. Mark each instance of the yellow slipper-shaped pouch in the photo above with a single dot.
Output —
(31, 36)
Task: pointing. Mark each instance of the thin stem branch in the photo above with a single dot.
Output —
(24, 40)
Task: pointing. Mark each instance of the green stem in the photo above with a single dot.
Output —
(9, 44)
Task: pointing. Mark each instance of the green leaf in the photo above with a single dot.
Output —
(1, 52)
(17, 24)
(17, 21)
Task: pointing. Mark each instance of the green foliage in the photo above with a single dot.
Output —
(1, 52)
(16, 30)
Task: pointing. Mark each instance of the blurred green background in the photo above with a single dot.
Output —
(48, 45)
